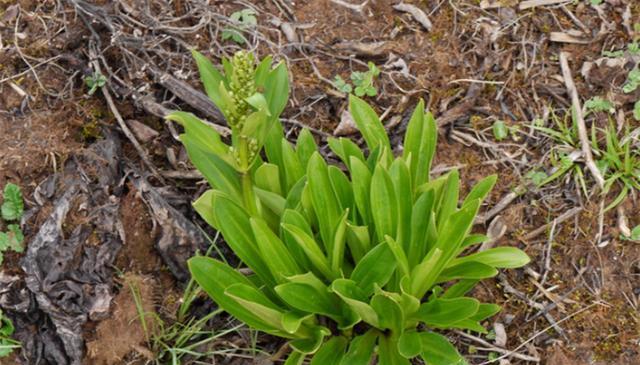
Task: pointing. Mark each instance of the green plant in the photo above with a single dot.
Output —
(500, 130)
(94, 82)
(243, 20)
(619, 162)
(598, 104)
(636, 110)
(635, 234)
(565, 151)
(363, 82)
(12, 210)
(7, 344)
(617, 158)
(633, 81)
(346, 266)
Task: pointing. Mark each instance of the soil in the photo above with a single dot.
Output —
(596, 289)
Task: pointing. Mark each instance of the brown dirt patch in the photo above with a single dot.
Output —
(123, 332)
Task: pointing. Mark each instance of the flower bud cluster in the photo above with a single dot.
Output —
(242, 86)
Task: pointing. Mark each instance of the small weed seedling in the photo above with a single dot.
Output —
(363, 82)
(598, 104)
(636, 110)
(7, 344)
(347, 265)
(619, 163)
(618, 158)
(633, 81)
(564, 154)
(12, 210)
(95, 82)
(244, 20)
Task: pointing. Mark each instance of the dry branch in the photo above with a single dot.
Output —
(417, 14)
(534, 3)
(582, 129)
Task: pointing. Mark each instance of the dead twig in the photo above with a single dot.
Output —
(582, 129)
(353, 7)
(491, 347)
(417, 14)
(566, 215)
(535, 3)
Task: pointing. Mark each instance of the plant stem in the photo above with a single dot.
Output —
(248, 194)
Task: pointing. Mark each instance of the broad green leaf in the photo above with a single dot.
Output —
(312, 249)
(361, 178)
(420, 218)
(358, 241)
(427, 150)
(305, 147)
(342, 187)
(423, 273)
(293, 168)
(410, 344)
(449, 240)
(323, 198)
(388, 351)
(277, 89)
(309, 299)
(292, 321)
(467, 270)
(368, 123)
(203, 135)
(311, 344)
(384, 207)
(459, 289)
(258, 125)
(350, 292)
(12, 204)
(339, 243)
(273, 148)
(437, 350)
(204, 206)
(273, 250)
(449, 202)
(227, 67)
(399, 254)
(215, 277)
(295, 218)
(295, 358)
(390, 314)
(258, 102)
(376, 267)
(211, 78)
(499, 257)
(473, 239)
(481, 189)
(401, 178)
(295, 194)
(219, 174)
(253, 299)
(443, 313)
(485, 310)
(361, 349)
(262, 71)
(275, 202)
(344, 148)
(469, 324)
(267, 177)
(331, 352)
(234, 225)
(413, 138)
